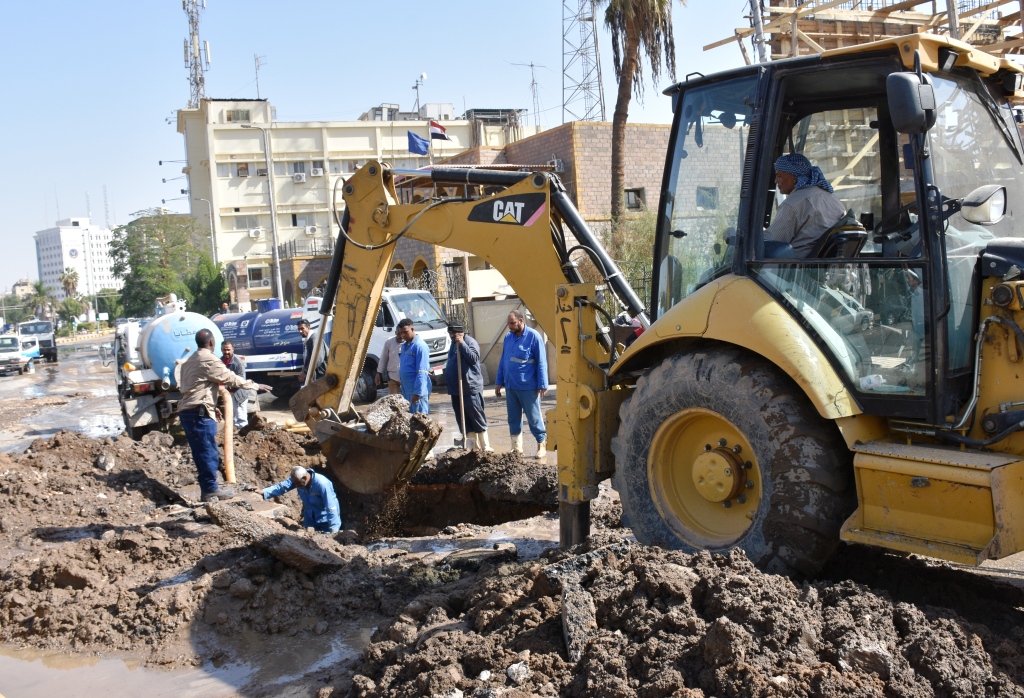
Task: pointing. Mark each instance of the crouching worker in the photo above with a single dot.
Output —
(320, 508)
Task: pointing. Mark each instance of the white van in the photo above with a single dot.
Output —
(428, 320)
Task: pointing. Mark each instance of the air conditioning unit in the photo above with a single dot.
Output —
(261, 171)
(557, 165)
(299, 177)
(312, 230)
(265, 282)
(256, 233)
(317, 172)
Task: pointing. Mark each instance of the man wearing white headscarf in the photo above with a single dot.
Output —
(810, 207)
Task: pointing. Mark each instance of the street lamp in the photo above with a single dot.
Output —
(273, 209)
(213, 240)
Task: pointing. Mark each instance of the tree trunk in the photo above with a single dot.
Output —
(631, 56)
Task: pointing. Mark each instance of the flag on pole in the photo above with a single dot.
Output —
(437, 131)
(418, 144)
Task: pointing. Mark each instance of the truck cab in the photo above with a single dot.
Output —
(18, 353)
(42, 330)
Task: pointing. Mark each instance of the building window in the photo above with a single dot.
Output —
(301, 220)
(259, 277)
(242, 169)
(335, 167)
(298, 168)
(246, 222)
(635, 199)
(223, 169)
(317, 165)
(280, 169)
(707, 198)
(237, 115)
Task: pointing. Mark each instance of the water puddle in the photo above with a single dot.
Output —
(530, 536)
(264, 661)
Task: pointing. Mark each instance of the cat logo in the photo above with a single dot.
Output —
(523, 209)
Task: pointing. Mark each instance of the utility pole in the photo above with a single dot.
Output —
(213, 238)
(273, 209)
(755, 14)
(533, 89)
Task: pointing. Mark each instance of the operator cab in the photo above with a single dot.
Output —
(870, 291)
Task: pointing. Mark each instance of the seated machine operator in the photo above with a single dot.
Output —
(810, 207)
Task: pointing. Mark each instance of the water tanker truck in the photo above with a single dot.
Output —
(147, 353)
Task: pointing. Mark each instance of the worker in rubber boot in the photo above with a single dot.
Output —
(202, 374)
(523, 371)
(414, 368)
(465, 350)
(320, 509)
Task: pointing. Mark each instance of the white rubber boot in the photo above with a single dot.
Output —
(517, 443)
(472, 441)
(483, 442)
(542, 452)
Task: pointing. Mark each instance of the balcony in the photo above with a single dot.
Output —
(312, 247)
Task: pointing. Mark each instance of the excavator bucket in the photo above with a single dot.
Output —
(377, 453)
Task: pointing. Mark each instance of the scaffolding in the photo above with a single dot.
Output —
(791, 28)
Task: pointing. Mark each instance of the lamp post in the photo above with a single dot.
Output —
(213, 239)
(273, 209)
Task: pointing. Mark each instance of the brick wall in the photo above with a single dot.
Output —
(646, 147)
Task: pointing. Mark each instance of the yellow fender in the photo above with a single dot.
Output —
(738, 311)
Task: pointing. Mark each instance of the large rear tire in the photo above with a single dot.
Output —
(718, 449)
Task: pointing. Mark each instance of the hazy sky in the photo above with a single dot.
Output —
(89, 85)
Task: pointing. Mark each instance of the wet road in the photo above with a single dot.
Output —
(75, 393)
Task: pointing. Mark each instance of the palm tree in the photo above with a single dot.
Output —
(69, 281)
(41, 300)
(635, 25)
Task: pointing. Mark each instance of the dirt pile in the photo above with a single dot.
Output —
(99, 553)
(668, 624)
(507, 477)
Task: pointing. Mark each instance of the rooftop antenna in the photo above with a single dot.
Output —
(56, 200)
(533, 89)
(88, 207)
(260, 62)
(106, 207)
(417, 86)
(582, 89)
(197, 59)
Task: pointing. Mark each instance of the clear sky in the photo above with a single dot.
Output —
(89, 85)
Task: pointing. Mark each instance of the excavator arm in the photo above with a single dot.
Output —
(526, 227)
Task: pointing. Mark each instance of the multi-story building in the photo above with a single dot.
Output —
(22, 288)
(77, 244)
(247, 201)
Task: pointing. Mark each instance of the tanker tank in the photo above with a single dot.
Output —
(172, 338)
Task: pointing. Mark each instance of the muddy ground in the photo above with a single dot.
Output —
(99, 553)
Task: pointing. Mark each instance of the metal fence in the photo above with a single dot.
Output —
(312, 247)
(451, 295)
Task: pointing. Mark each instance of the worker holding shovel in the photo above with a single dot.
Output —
(466, 386)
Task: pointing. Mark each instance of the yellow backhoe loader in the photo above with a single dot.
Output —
(871, 391)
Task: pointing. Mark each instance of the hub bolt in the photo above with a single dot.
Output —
(737, 448)
(727, 504)
(707, 447)
(742, 499)
(750, 484)
(721, 442)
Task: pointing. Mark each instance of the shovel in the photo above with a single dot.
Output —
(461, 441)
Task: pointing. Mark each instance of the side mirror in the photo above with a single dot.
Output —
(911, 102)
(986, 205)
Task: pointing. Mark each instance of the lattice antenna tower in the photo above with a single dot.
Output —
(533, 88)
(582, 89)
(197, 53)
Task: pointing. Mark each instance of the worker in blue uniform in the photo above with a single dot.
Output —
(414, 371)
(320, 509)
(523, 372)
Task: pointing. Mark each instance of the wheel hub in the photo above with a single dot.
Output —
(718, 474)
